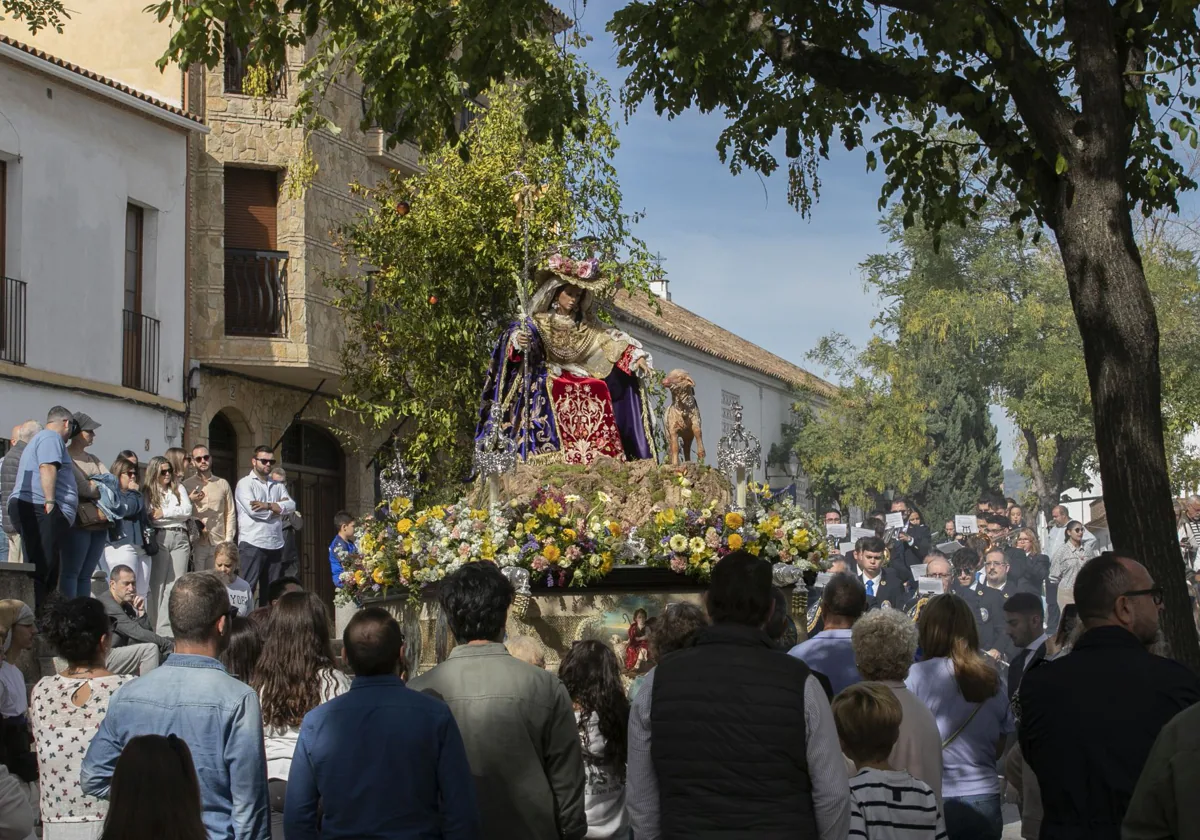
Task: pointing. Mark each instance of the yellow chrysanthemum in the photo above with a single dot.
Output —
(404, 526)
(551, 553)
(422, 519)
(405, 572)
(733, 519)
(678, 542)
(735, 541)
(569, 535)
(438, 512)
(550, 508)
(360, 578)
(614, 528)
(754, 549)
(377, 575)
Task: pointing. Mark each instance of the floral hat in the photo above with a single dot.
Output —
(582, 273)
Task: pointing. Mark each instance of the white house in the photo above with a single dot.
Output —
(93, 251)
(728, 370)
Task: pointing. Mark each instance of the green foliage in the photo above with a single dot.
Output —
(446, 247)
(963, 436)
(871, 437)
(36, 14)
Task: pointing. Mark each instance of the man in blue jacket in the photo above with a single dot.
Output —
(382, 760)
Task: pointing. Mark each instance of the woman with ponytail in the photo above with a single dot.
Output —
(965, 692)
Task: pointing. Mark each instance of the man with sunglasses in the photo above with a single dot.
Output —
(213, 505)
(1088, 720)
(262, 505)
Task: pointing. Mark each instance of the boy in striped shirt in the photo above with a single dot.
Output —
(885, 804)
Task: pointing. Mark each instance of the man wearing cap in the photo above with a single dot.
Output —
(44, 499)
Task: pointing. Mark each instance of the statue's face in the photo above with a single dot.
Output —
(568, 299)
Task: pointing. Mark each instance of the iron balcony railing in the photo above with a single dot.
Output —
(139, 352)
(236, 69)
(12, 321)
(255, 292)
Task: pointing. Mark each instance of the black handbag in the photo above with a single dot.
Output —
(149, 540)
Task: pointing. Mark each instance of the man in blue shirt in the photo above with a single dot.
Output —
(382, 760)
(342, 546)
(191, 696)
(830, 651)
(44, 499)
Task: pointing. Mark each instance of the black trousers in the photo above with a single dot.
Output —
(260, 567)
(42, 538)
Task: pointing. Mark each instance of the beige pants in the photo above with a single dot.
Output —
(166, 567)
(202, 557)
(15, 552)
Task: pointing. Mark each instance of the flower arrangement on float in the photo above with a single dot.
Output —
(565, 540)
(691, 540)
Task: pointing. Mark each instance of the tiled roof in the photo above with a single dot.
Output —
(104, 80)
(688, 328)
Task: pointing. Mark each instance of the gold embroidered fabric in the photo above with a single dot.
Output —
(584, 346)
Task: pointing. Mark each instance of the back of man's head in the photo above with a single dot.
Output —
(475, 601)
(1025, 603)
(844, 597)
(1100, 582)
(197, 601)
(740, 590)
(373, 642)
(27, 430)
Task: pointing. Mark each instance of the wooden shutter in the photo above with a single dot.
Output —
(251, 208)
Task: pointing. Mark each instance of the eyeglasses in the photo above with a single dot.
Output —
(1076, 530)
(202, 459)
(265, 461)
(131, 474)
(938, 575)
(996, 564)
(166, 471)
(1156, 593)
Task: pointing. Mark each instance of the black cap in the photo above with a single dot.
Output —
(86, 423)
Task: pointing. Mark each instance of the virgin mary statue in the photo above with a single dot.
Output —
(569, 387)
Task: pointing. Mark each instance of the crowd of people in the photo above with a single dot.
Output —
(69, 514)
(199, 694)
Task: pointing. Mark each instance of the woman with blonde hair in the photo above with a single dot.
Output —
(1037, 564)
(964, 691)
(169, 511)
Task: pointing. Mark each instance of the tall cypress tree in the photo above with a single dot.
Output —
(966, 453)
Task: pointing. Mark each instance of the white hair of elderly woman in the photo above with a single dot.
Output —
(885, 643)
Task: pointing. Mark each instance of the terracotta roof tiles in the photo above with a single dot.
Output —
(688, 328)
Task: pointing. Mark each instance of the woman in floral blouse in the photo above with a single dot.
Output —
(66, 710)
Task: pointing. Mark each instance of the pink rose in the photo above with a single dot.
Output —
(678, 564)
(464, 549)
(540, 564)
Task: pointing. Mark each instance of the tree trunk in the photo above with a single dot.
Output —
(1117, 323)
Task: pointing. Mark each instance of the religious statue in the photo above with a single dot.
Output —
(682, 417)
(638, 649)
(569, 386)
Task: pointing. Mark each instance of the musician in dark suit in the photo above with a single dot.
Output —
(911, 543)
(1089, 719)
(1024, 620)
(987, 605)
(883, 585)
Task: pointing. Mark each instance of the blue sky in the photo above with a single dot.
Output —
(734, 250)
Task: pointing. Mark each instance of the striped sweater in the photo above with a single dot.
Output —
(892, 805)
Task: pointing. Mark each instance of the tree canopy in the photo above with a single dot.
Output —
(443, 250)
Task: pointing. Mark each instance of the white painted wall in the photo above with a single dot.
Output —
(766, 401)
(124, 425)
(74, 161)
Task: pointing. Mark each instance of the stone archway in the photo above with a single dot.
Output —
(223, 446)
(316, 469)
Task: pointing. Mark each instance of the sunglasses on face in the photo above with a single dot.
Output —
(266, 461)
(202, 459)
(131, 474)
(166, 471)
(1076, 530)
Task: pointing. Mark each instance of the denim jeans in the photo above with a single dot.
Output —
(974, 817)
(81, 554)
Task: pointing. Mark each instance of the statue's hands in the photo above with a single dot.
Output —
(521, 339)
(642, 367)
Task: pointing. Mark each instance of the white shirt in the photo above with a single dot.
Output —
(174, 511)
(1032, 648)
(261, 528)
(865, 578)
(280, 743)
(13, 700)
(239, 596)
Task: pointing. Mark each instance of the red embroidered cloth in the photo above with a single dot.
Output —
(586, 424)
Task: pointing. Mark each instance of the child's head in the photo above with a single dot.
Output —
(344, 523)
(225, 561)
(868, 722)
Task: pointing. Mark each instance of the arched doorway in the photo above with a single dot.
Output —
(223, 446)
(316, 472)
